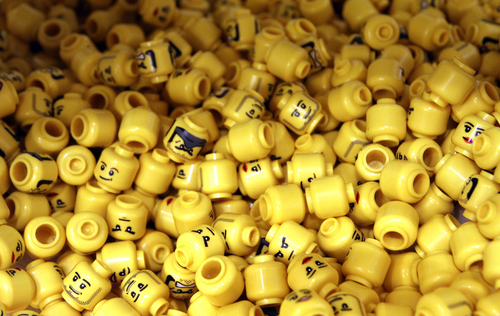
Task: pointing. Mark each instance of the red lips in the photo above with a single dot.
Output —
(467, 140)
(245, 168)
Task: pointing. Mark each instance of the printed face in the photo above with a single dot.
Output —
(299, 296)
(11, 251)
(158, 12)
(107, 171)
(181, 288)
(182, 143)
(286, 11)
(469, 189)
(138, 287)
(40, 104)
(105, 67)
(118, 277)
(252, 107)
(287, 87)
(232, 30)
(186, 175)
(81, 285)
(122, 227)
(311, 265)
(299, 114)
(61, 197)
(251, 167)
(346, 304)
(469, 131)
(146, 62)
(285, 253)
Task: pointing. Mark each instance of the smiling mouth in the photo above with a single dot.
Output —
(105, 179)
(74, 291)
(467, 140)
(307, 115)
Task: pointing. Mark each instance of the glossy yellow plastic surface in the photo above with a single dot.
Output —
(350, 139)
(57, 305)
(139, 129)
(436, 270)
(329, 197)
(346, 70)
(303, 169)
(188, 86)
(404, 181)
(239, 231)
(336, 235)
(180, 280)
(368, 199)
(434, 202)
(33, 172)
(154, 60)
(312, 271)
(305, 302)
(76, 165)
(385, 123)
(396, 225)
(371, 160)
(69, 259)
(9, 142)
(281, 91)
(200, 306)
(116, 169)
(163, 217)
(482, 98)
(300, 113)
(285, 243)
(190, 210)
(9, 94)
(53, 81)
(283, 143)
(217, 176)
(451, 82)
(256, 176)
(18, 289)
(44, 237)
(158, 13)
(404, 295)
(435, 234)
(369, 272)
(156, 246)
(47, 135)
(488, 305)
(154, 163)
(121, 258)
(115, 305)
(219, 280)
(250, 140)
(266, 281)
(62, 197)
(402, 271)
(94, 128)
(86, 285)
(145, 292)
(86, 232)
(243, 105)
(346, 304)
(473, 285)
(48, 278)
(385, 78)
(484, 149)
(117, 67)
(444, 300)
(467, 131)
(426, 118)
(127, 217)
(425, 151)
(467, 246)
(185, 138)
(194, 246)
(24, 207)
(452, 172)
(478, 189)
(428, 31)
(12, 246)
(487, 217)
(91, 197)
(297, 66)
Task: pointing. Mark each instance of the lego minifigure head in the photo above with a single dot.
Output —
(299, 111)
(146, 61)
(186, 175)
(299, 296)
(85, 286)
(159, 13)
(116, 169)
(127, 225)
(344, 304)
(145, 292)
(12, 246)
(181, 288)
(62, 197)
(252, 107)
(232, 30)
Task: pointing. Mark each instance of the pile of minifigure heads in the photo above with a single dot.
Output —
(249, 157)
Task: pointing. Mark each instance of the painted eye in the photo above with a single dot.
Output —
(297, 114)
(478, 133)
(103, 167)
(303, 106)
(181, 172)
(310, 179)
(111, 172)
(467, 129)
(345, 306)
(252, 111)
(82, 286)
(165, 9)
(254, 169)
(75, 278)
(161, 18)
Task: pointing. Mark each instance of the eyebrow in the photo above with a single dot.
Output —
(86, 282)
(115, 169)
(78, 275)
(472, 125)
(124, 219)
(104, 163)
